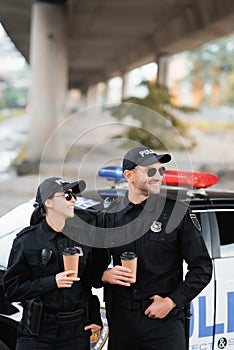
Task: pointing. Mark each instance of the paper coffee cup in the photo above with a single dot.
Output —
(71, 260)
(129, 260)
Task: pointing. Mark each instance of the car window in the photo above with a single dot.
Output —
(225, 220)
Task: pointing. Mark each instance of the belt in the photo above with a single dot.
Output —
(133, 305)
(63, 317)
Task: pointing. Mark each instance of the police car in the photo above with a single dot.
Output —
(212, 320)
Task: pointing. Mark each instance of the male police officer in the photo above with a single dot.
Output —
(149, 314)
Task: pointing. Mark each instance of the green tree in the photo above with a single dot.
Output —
(230, 84)
(11, 97)
(209, 67)
(159, 126)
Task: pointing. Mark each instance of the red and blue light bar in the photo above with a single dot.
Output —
(112, 173)
(193, 179)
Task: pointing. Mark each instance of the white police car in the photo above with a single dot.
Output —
(212, 321)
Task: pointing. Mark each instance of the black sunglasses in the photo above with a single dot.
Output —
(152, 171)
(68, 195)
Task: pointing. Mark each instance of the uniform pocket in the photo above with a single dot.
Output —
(163, 237)
(173, 313)
(35, 264)
(34, 257)
(163, 248)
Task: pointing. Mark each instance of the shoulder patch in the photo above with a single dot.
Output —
(195, 221)
(26, 230)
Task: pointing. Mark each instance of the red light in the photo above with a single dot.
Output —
(189, 178)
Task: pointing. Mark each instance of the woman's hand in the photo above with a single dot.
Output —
(64, 281)
(118, 275)
(94, 328)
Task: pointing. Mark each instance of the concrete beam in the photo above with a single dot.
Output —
(201, 21)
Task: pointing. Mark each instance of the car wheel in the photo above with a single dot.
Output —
(3, 346)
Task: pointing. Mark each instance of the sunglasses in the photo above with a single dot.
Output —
(152, 171)
(68, 195)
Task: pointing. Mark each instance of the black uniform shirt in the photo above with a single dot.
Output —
(160, 254)
(26, 277)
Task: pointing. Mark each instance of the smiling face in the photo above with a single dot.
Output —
(62, 205)
(145, 180)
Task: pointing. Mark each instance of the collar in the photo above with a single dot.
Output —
(48, 231)
(148, 204)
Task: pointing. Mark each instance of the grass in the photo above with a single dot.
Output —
(11, 113)
(204, 125)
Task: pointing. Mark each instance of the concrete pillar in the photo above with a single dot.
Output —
(49, 62)
(124, 92)
(114, 90)
(108, 92)
(101, 93)
(82, 102)
(162, 61)
(92, 96)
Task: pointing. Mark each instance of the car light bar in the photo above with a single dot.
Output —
(189, 178)
(193, 179)
(113, 173)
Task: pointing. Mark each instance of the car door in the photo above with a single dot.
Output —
(224, 280)
(203, 306)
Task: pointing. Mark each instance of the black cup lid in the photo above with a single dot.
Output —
(70, 251)
(128, 256)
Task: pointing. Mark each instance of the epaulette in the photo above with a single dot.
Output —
(179, 201)
(26, 230)
(110, 202)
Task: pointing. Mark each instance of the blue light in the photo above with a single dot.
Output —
(111, 173)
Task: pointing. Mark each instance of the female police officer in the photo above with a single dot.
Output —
(59, 311)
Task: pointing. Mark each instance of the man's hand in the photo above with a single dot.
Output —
(160, 307)
(118, 275)
(64, 281)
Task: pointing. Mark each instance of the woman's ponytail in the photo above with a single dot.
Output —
(37, 215)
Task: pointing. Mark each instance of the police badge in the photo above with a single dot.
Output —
(156, 226)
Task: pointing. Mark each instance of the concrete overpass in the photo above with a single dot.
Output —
(78, 43)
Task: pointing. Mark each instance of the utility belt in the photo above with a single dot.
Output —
(63, 317)
(133, 305)
(35, 313)
(32, 315)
